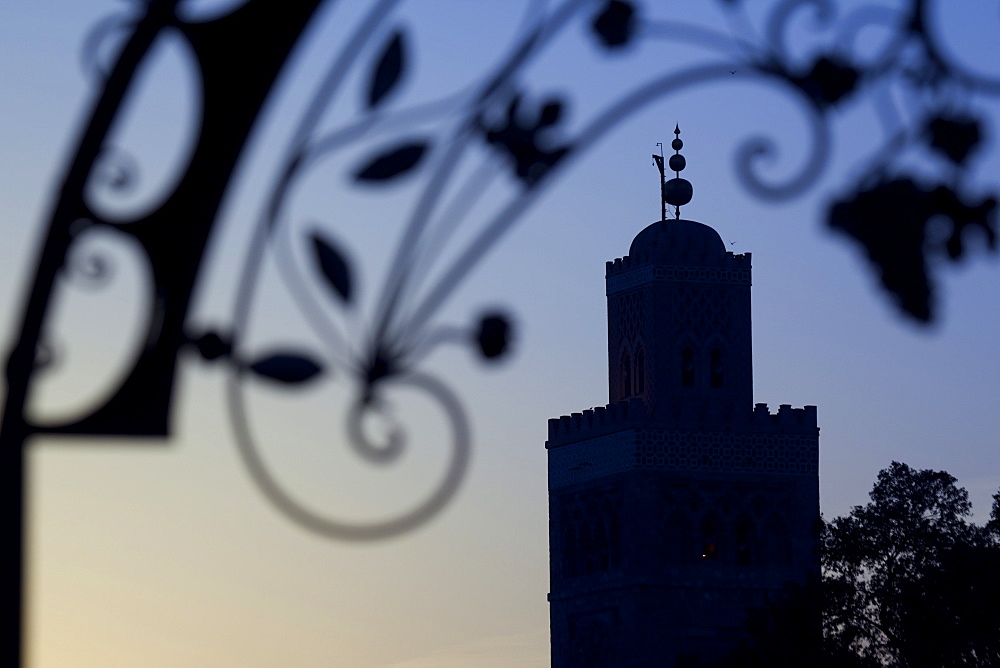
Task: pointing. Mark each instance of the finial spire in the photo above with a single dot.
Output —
(658, 161)
(677, 191)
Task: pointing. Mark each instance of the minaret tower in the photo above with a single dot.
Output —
(679, 504)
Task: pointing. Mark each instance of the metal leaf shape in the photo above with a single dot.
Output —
(392, 163)
(286, 367)
(493, 336)
(387, 73)
(615, 24)
(954, 136)
(333, 265)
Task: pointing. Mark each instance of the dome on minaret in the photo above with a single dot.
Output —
(677, 242)
(683, 243)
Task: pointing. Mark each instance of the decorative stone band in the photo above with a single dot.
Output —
(679, 450)
(649, 273)
(691, 582)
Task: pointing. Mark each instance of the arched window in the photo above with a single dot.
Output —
(570, 553)
(744, 541)
(614, 536)
(586, 562)
(625, 376)
(677, 539)
(591, 533)
(687, 367)
(590, 640)
(774, 545)
(710, 537)
(640, 371)
(602, 546)
(715, 370)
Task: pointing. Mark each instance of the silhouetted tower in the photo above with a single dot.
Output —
(680, 504)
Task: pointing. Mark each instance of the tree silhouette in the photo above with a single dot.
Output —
(907, 581)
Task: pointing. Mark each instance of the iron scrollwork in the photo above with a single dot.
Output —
(887, 210)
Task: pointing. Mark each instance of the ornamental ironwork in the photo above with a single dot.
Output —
(239, 54)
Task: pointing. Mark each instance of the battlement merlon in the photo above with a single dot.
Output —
(634, 414)
(627, 263)
(625, 273)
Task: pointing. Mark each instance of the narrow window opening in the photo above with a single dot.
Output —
(615, 536)
(676, 537)
(640, 372)
(775, 543)
(744, 541)
(716, 367)
(687, 367)
(626, 376)
(570, 556)
(591, 535)
(587, 551)
(709, 539)
(602, 547)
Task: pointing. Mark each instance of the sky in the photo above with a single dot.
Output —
(164, 553)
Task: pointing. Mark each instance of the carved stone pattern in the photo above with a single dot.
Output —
(727, 499)
(726, 452)
(701, 311)
(590, 638)
(591, 531)
(701, 275)
(675, 450)
(625, 320)
(629, 280)
(761, 509)
(676, 274)
(631, 318)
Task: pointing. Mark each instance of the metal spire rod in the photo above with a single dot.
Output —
(658, 161)
(676, 191)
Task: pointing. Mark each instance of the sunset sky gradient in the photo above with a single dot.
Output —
(165, 554)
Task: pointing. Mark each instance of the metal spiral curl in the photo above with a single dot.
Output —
(753, 152)
(117, 170)
(86, 261)
(377, 453)
(444, 491)
(528, 153)
(97, 39)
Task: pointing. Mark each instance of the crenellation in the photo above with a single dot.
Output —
(619, 266)
(633, 412)
(786, 418)
(597, 421)
(740, 263)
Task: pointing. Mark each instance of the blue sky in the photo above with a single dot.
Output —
(166, 554)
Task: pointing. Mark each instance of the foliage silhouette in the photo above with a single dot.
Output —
(333, 265)
(494, 335)
(907, 581)
(290, 368)
(615, 24)
(392, 163)
(387, 74)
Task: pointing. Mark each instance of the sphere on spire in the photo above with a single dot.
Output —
(677, 191)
